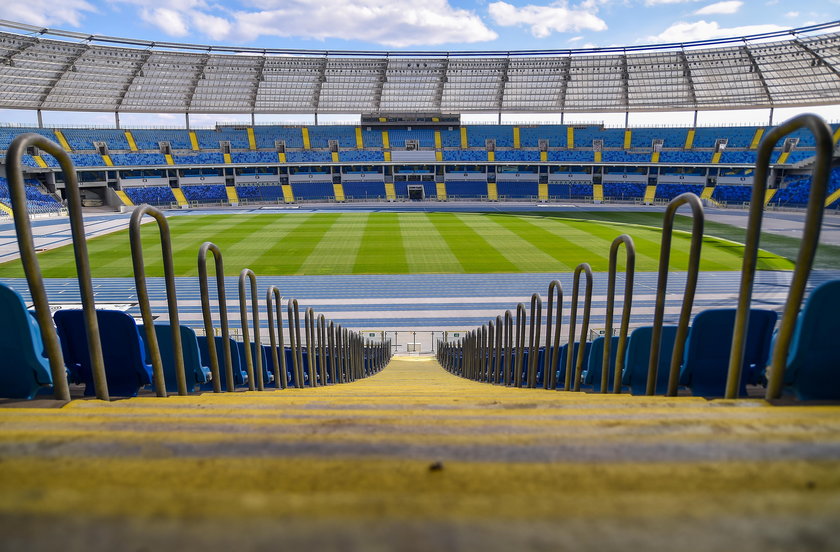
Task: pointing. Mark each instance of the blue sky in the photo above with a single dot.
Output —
(423, 24)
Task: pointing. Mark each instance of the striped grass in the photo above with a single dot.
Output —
(393, 243)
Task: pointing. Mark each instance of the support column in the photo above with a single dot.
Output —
(117, 118)
(252, 119)
(40, 120)
(626, 120)
(187, 119)
(771, 116)
(316, 118)
(695, 118)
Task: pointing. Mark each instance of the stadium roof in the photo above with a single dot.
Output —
(61, 70)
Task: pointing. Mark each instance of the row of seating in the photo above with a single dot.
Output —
(811, 369)
(25, 370)
(37, 202)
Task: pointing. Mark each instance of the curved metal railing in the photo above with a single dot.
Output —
(534, 345)
(552, 349)
(208, 317)
(252, 366)
(273, 301)
(629, 273)
(573, 380)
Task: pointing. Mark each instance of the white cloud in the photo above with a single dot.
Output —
(725, 8)
(45, 13)
(170, 21)
(792, 14)
(704, 30)
(575, 39)
(217, 28)
(544, 20)
(659, 2)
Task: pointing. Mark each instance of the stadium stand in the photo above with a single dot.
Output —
(25, 370)
(206, 193)
(153, 195)
(195, 373)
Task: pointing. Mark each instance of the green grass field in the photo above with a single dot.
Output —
(393, 243)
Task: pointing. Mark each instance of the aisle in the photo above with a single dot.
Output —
(417, 459)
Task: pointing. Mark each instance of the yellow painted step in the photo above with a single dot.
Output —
(438, 155)
(107, 159)
(124, 198)
(132, 145)
(179, 196)
(542, 192)
(759, 132)
(783, 158)
(464, 141)
(390, 193)
(62, 141)
(492, 191)
(228, 160)
(288, 196)
(40, 161)
(834, 196)
(837, 135)
(707, 192)
(338, 192)
(281, 157)
(304, 132)
(193, 141)
(543, 156)
(689, 139)
(570, 137)
(334, 156)
(516, 143)
(628, 138)
(360, 142)
(252, 139)
(232, 196)
(440, 190)
(386, 141)
(386, 156)
(650, 194)
(169, 160)
(716, 158)
(598, 192)
(768, 195)
(6, 209)
(438, 141)
(598, 156)
(654, 157)
(491, 156)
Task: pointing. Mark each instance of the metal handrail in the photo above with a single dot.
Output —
(309, 325)
(688, 294)
(584, 328)
(491, 351)
(551, 357)
(273, 300)
(322, 348)
(243, 315)
(208, 317)
(497, 360)
(32, 269)
(136, 242)
(535, 329)
(332, 347)
(520, 343)
(293, 312)
(629, 274)
(508, 346)
(805, 259)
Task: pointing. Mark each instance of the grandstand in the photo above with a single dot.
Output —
(553, 423)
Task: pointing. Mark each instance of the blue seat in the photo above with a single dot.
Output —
(706, 360)
(195, 371)
(126, 370)
(240, 376)
(592, 372)
(268, 374)
(637, 358)
(813, 363)
(23, 369)
(561, 362)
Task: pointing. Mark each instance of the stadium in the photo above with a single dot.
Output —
(423, 332)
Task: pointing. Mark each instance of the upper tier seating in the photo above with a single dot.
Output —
(308, 157)
(7, 134)
(137, 159)
(254, 157)
(203, 158)
(24, 370)
(150, 139)
(83, 138)
(477, 135)
(738, 137)
(320, 136)
(397, 137)
(210, 139)
(266, 136)
(361, 156)
(530, 136)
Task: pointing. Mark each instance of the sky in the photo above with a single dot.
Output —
(421, 25)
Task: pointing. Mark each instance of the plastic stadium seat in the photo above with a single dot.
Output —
(706, 361)
(126, 370)
(813, 363)
(268, 374)
(240, 376)
(592, 374)
(195, 371)
(24, 370)
(637, 358)
(561, 362)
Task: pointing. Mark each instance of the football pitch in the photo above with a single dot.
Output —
(393, 243)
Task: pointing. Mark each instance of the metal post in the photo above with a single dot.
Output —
(629, 274)
(535, 328)
(584, 328)
(550, 375)
(281, 378)
(293, 316)
(32, 269)
(520, 343)
(243, 315)
(208, 319)
(309, 322)
(322, 348)
(508, 346)
(171, 299)
(688, 295)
